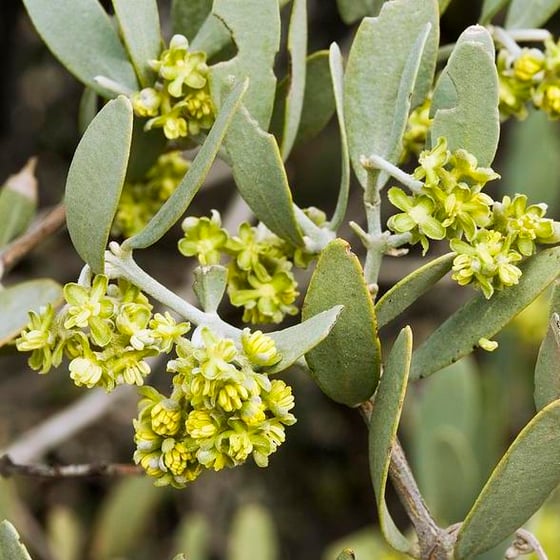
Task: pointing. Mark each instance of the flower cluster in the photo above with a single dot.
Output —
(106, 331)
(142, 199)
(260, 276)
(222, 410)
(489, 237)
(531, 75)
(417, 126)
(180, 101)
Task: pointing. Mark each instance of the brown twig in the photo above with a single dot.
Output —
(41, 229)
(8, 468)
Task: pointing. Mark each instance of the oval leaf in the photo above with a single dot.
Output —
(255, 26)
(337, 77)
(385, 42)
(346, 364)
(297, 46)
(294, 342)
(352, 10)
(465, 100)
(489, 9)
(11, 548)
(16, 302)
(547, 369)
(182, 196)
(482, 318)
(383, 425)
(139, 24)
(209, 286)
(260, 176)
(523, 14)
(187, 17)
(517, 488)
(96, 178)
(80, 34)
(411, 287)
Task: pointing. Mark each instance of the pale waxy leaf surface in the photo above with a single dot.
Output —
(346, 365)
(255, 27)
(11, 547)
(352, 10)
(465, 99)
(209, 285)
(405, 292)
(482, 318)
(187, 17)
(87, 109)
(522, 14)
(489, 9)
(337, 76)
(383, 425)
(253, 535)
(297, 47)
(294, 342)
(139, 24)
(16, 302)
(260, 176)
(80, 34)
(517, 487)
(318, 102)
(182, 196)
(547, 369)
(95, 180)
(386, 43)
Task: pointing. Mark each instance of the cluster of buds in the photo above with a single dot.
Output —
(223, 409)
(489, 237)
(532, 75)
(260, 276)
(105, 330)
(179, 102)
(141, 200)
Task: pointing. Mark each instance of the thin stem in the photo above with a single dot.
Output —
(525, 543)
(8, 468)
(377, 162)
(38, 232)
(316, 238)
(504, 37)
(119, 263)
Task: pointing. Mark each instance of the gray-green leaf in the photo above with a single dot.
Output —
(209, 285)
(517, 488)
(297, 46)
(260, 176)
(482, 318)
(465, 99)
(383, 425)
(255, 27)
(80, 34)
(370, 97)
(96, 178)
(411, 287)
(253, 535)
(139, 24)
(16, 301)
(547, 369)
(346, 365)
(187, 17)
(353, 10)
(179, 201)
(523, 14)
(11, 548)
(294, 342)
(489, 9)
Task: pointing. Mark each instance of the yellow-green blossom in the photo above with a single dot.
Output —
(203, 237)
